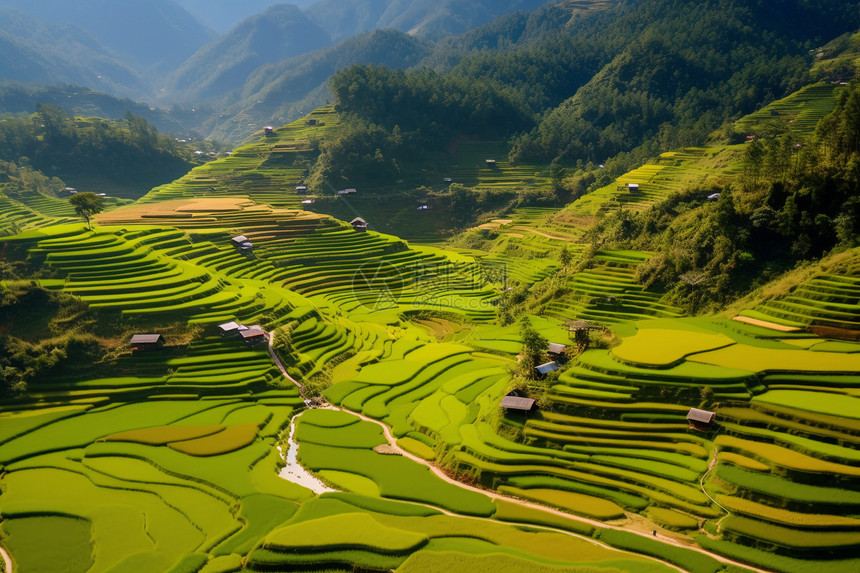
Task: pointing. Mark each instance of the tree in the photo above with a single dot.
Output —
(564, 257)
(534, 347)
(86, 205)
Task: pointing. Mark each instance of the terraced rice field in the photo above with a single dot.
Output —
(169, 460)
(801, 110)
(828, 299)
(266, 168)
(471, 167)
(608, 292)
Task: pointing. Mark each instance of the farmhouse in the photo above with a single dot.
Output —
(555, 349)
(254, 334)
(447, 180)
(146, 342)
(231, 328)
(359, 224)
(301, 189)
(545, 368)
(346, 191)
(578, 332)
(701, 419)
(633, 187)
(490, 163)
(518, 403)
(242, 243)
(269, 130)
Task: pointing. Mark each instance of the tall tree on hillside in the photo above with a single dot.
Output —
(534, 347)
(86, 205)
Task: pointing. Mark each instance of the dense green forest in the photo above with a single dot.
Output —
(130, 153)
(793, 202)
(640, 77)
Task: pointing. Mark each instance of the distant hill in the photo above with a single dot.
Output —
(223, 15)
(281, 92)
(155, 35)
(16, 98)
(37, 52)
(223, 65)
(423, 18)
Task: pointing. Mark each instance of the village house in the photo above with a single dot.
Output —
(141, 342)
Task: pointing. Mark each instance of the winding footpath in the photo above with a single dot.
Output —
(7, 559)
(392, 441)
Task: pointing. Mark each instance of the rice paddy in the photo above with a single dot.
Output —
(169, 460)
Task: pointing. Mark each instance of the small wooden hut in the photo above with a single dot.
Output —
(518, 404)
(254, 334)
(141, 342)
(231, 328)
(543, 369)
(701, 420)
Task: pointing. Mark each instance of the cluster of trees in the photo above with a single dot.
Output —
(395, 120)
(636, 77)
(129, 151)
(794, 202)
(683, 70)
(425, 100)
(37, 339)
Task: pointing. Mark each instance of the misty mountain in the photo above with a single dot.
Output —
(428, 19)
(75, 100)
(281, 92)
(36, 52)
(222, 15)
(155, 35)
(222, 66)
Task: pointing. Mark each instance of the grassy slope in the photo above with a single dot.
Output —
(611, 426)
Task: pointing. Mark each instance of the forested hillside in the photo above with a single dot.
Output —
(223, 65)
(657, 74)
(34, 51)
(126, 158)
(575, 291)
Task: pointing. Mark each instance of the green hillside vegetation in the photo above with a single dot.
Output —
(726, 281)
(127, 158)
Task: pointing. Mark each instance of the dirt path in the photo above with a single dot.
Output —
(542, 234)
(7, 559)
(679, 542)
(766, 324)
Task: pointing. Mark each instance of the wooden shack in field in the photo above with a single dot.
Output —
(242, 243)
(269, 130)
(490, 163)
(556, 350)
(543, 369)
(702, 420)
(518, 404)
(301, 189)
(141, 342)
(359, 224)
(254, 334)
(231, 328)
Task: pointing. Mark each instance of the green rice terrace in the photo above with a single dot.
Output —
(380, 420)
